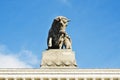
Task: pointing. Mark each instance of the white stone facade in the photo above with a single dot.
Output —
(60, 74)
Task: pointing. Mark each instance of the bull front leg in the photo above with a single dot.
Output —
(49, 42)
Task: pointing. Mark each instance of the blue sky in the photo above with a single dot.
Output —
(94, 30)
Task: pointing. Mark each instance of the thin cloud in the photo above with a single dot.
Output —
(66, 2)
(23, 59)
(11, 61)
(28, 57)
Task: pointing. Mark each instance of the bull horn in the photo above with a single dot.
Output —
(68, 20)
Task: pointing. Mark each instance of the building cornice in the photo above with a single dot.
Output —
(61, 70)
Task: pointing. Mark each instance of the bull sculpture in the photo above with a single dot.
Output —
(57, 36)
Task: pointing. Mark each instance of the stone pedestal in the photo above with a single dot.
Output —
(58, 58)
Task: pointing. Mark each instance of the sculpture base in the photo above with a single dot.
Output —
(58, 58)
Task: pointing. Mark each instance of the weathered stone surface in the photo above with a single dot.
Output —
(57, 36)
(58, 58)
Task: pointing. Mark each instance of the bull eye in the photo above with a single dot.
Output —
(64, 21)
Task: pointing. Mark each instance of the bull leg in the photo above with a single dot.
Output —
(50, 42)
(60, 45)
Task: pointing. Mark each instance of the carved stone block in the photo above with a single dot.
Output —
(58, 58)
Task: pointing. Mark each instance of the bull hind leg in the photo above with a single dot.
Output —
(61, 45)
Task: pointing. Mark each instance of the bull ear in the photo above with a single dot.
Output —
(57, 19)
